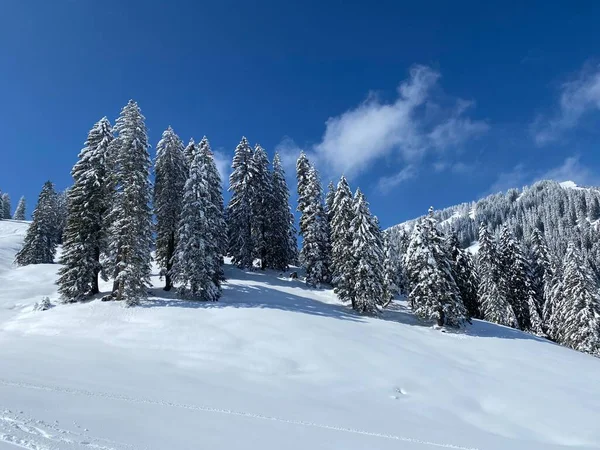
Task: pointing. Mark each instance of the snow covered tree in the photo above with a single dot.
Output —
(189, 152)
(84, 236)
(369, 284)
(465, 275)
(20, 211)
(342, 262)
(579, 306)
(541, 267)
(170, 176)
(215, 216)
(312, 255)
(494, 305)
(61, 214)
(303, 168)
(281, 236)
(193, 262)
(40, 240)
(391, 272)
(434, 294)
(130, 216)
(239, 210)
(6, 207)
(260, 201)
(513, 277)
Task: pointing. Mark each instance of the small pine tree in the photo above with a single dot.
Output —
(369, 284)
(6, 207)
(130, 234)
(493, 302)
(281, 232)
(239, 210)
(84, 237)
(434, 294)
(20, 211)
(40, 243)
(170, 176)
(465, 275)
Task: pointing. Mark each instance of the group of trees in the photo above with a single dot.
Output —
(5, 208)
(342, 242)
(259, 218)
(514, 282)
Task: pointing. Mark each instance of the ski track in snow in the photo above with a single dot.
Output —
(6, 422)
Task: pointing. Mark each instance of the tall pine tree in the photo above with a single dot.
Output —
(170, 176)
(464, 274)
(239, 210)
(342, 261)
(40, 243)
(260, 201)
(84, 237)
(130, 234)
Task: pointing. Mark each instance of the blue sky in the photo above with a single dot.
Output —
(423, 104)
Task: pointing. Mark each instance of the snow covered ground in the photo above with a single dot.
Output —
(274, 365)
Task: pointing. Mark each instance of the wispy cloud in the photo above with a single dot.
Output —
(223, 162)
(386, 183)
(419, 120)
(577, 97)
(571, 169)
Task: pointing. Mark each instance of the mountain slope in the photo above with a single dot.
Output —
(273, 365)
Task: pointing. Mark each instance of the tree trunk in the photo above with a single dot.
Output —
(95, 288)
(170, 252)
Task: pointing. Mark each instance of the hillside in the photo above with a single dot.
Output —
(273, 365)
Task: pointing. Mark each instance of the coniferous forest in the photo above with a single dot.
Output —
(533, 262)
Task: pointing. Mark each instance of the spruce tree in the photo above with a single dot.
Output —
(580, 305)
(40, 243)
(20, 211)
(6, 207)
(513, 277)
(130, 216)
(281, 232)
(193, 262)
(465, 275)
(434, 294)
(303, 168)
(541, 267)
(369, 284)
(312, 255)
(84, 236)
(189, 152)
(391, 272)
(170, 176)
(494, 305)
(239, 210)
(342, 262)
(260, 201)
(217, 233)
(61, 214)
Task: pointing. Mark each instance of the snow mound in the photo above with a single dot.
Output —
(274, 365)
(569, 184)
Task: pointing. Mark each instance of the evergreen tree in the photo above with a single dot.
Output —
(342, 262)
(281, 232)
(513, 277)
(217, 226)
(391, 272)
(62, 211)
(6, 207)
(130, 216)
(260, 201)
(579, 305)
(314, 237)
(84, 236)
(540, 266)
(303, 168)
(170, 176)
(369, 284)
(239, 210)
(434, 294)
(189, 152)
(465, 275)
(493, 302)
(193, 263)
(40, 240)
(20, 211)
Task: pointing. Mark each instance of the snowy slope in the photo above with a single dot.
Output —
(273, 366)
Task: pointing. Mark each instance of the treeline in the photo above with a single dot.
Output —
(512, 282)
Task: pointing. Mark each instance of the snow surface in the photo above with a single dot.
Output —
(273, 365)
(569, 184)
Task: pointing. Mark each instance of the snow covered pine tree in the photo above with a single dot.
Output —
(84, 236)
(342, 261)
(260, 201)
(170, 176)
(20, 211)
(6, 207)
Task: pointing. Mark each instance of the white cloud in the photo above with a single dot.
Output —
(416, 122)
(223, 162)
(578, 97)
(385, 184)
